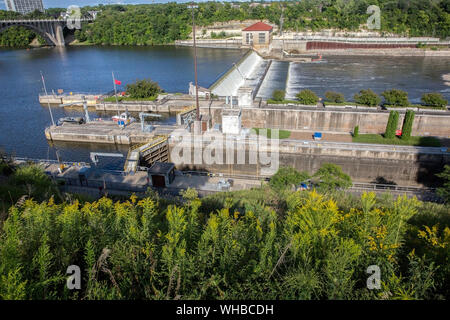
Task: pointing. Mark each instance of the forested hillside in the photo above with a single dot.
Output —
(165, 23)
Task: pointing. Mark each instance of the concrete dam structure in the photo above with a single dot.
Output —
(413, 166)
(335, 120)
(248, 72)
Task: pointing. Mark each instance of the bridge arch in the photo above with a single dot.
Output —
(50, 32)
(30, 27)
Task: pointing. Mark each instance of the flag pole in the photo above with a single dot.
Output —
(48, 101)
(115, 94)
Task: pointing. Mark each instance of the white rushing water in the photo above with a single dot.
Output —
(248, 72)
(274, 80)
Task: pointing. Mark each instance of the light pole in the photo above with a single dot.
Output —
(48, 101)
(194, 6)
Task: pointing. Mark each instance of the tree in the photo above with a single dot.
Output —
(278, 95)
(307, 97)
(434, 100)
(367, 98)
(408, 124)
(444, 191)
(330, 176)
(285, 177)
(356, 131)
(336, 97)
(396, 97)
(143, 89)
(392, 124)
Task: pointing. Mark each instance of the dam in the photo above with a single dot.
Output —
(345, 74)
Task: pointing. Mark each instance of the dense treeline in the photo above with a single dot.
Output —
(164, 23)
(260, 244)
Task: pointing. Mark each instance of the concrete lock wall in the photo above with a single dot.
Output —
(337, 121)
(404, 168)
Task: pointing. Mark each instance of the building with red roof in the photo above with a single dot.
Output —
(258, 34)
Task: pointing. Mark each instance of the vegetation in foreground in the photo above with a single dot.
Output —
(266, 243)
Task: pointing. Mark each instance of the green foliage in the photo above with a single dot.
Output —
(392, 124)
(367, 98)
(330, 176)
(278, 95)
(336, 97)
(444, 191)
(408, 124)
(396, 97)
(165, 23)
(286, 177)
(356, 131)
(272, 133)
(307, 97)
(143, 89)
(251, 244)
(16, 37)
(434, 100)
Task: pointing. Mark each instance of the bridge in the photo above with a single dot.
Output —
(50, 29)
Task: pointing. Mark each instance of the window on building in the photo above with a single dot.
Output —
(249, 38)
(262, 37)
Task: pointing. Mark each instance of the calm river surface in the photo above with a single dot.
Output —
(88, 69)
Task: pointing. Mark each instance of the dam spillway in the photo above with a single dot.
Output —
(275, 79)
(248, 72)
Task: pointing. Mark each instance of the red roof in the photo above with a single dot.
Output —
(259, 26)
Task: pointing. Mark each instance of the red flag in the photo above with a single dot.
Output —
(118, 82)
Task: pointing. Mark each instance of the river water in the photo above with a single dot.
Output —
(88, 69)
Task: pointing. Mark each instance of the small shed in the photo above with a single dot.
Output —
(257, 34)
(161, 174)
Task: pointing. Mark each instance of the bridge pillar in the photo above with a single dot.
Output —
(59, 36)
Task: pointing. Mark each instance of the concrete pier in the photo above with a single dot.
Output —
(91, 99)
(104, 132)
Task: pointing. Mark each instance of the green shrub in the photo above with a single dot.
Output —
(367, 98)
(392, 124)
(285, 177)
(396, 97)
(407, 124)
(307, 97)
(278, 95)
(330, 176)
(336, 97)
(434, 100)
(444, 191)
(356, 131)
(143, 89)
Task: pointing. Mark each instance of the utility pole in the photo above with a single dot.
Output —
(48, 101)
(194, 6)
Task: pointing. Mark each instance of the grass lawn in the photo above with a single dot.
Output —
(113, 99)
(413, 141)
(283, 134)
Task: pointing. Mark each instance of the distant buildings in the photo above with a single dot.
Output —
(259, 34)
(24, 6)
